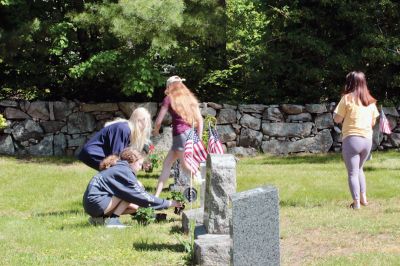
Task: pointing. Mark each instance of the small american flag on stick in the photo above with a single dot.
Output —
(214, 144)
(384, 126)
(194, 151)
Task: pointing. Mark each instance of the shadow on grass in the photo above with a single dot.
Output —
(60, 213)
(374, 169)
(145, 246)
(58, 160)
(176, 230)
(302, 159)
(292, 203)
(148, 176)
(84, 224)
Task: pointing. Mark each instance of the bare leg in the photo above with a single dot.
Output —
(165, 173)
(363, 199)
(132, 208)
(118, 207)
(185, 166)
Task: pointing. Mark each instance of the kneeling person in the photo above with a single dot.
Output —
(116, 190)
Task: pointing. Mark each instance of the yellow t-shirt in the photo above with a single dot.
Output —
(357, 117)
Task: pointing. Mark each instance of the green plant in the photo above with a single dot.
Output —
(154, 159)
(3, 122)
(145, 216)
(209, 121)
(178, 196)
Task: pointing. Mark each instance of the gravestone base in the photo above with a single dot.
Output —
(199, 230)
(212, 249)
(195, 215)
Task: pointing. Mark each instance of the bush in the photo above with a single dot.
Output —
(3, 122)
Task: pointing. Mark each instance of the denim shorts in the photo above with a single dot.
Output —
(95, 205)
(178, 141)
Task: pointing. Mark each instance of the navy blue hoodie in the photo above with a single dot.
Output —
(120, 181)
(109, 140)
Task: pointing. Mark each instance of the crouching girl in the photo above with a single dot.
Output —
(115, 190)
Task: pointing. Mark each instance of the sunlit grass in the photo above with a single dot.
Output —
(42, 221)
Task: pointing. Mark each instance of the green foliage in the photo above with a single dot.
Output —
(239, 51)
(145, 216)
(3, 122)
(209, 121)
(177, 196)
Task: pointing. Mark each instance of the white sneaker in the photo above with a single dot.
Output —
(114, 223)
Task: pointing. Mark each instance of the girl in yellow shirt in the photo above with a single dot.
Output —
(357, 111)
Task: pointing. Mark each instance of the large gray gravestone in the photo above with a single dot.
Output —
(220, 185)
(255, 227)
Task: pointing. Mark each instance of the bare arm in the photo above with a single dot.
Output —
(373, 122)
(337, 118)
(159, 119)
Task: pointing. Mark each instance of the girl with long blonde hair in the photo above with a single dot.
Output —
(183, 106)
(117, 135)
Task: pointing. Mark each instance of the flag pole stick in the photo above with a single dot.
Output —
(379, 128)
(191, 184)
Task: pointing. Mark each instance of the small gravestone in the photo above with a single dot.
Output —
(255, 227)
(220, 185)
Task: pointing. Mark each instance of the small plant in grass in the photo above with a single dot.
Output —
(145, 216)
(178, 196)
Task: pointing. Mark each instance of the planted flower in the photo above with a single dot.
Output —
(154, 160)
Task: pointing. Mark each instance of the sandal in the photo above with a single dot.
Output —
(364, 203)
(354, 207)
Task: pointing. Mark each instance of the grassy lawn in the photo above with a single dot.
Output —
(42, 220)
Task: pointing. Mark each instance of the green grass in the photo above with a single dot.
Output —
(42, 221)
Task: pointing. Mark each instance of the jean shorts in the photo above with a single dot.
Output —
(178, 141)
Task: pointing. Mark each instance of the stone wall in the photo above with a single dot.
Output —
(62, 127)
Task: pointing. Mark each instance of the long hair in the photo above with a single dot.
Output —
(356, 83)
(108, 162)
(128, 154)
(139, 137)
(184, 103)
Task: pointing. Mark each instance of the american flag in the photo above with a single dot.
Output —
(384, 126)
(214, 144)
(194, 152)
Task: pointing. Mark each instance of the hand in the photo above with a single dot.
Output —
(156, 132)
(175, 203)
(146, 165)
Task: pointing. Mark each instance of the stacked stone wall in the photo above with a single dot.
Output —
(62, 127)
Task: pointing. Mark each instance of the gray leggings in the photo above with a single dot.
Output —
(355, 151)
